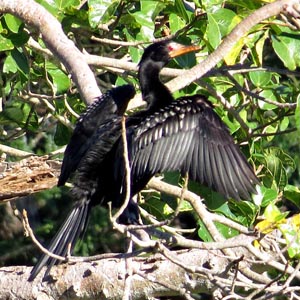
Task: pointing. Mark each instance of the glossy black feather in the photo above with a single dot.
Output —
(185, 135)
(94, 136)
(114, 102)
(189, 136)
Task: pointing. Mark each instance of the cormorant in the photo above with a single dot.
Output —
(95, 133)
(183, 134)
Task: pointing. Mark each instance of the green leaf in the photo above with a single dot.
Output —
(235, 51)
(220, 23)
(20, 38)
(260, 78)
(213, 31)
(21, 61)
(62, 4)
(21, 114)
(16, 62)
(101, 11)
(291, 233)
(272, 213)
(284, 123)
(226, 231)
(259, 47)
(154, 205)
(226, 19)
(292, 193)
(145, 18)
(268, 94)
(14, 114)
(175, 22)
(61, 81)
(277, 161)
(186, 61)
(5, 44)
(62, 135)
(10, 65)
(203, 233)
(12, 22)
(269, 196)
(181, 11)
(211, 5)
(51, 6)
(286, 46)
(245, 212)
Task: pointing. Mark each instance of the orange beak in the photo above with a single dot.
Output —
(176, 49)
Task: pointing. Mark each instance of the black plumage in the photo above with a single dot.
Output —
(188, 136)
(184, 134)
(104, 111)
(94, 136)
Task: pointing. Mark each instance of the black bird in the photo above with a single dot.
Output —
(183, 134)
(95, 133)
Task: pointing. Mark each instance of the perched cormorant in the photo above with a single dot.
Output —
(183, 134)
(95, 134)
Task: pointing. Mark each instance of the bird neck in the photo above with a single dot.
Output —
(154, 92)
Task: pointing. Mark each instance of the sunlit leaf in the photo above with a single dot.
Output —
(203, 233)
(176, 23)
(273, 219)
(211, 5)
(291, 233)
(5, 44)
(61, 82)
(62, 4)
(259, 47)
(12, 22)
(272, 213)
(145, 17)
(260, 78)
(268, 196)
(234, 52)
(101, 11)
(181, 10)
(286, 46)
(226, 231)
(213, 31)
(292, 193)
(269, 94)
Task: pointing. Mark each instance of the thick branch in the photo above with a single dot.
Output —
(28, 176)
(267, 11)
(105, 279)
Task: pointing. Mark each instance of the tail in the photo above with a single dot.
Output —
(72, 229)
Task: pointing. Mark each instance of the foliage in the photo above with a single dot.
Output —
(258, 78)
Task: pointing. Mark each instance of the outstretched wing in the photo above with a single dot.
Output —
(190, 137)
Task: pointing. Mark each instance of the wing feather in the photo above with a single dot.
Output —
(190, 137)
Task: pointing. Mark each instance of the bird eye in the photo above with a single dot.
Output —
(170, 48)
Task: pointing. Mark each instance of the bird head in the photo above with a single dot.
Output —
(162, 52)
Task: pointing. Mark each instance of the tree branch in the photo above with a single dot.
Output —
(33, 14)
(265, 12)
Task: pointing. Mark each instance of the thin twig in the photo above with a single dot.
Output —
(127, 173)
(14, 151)
(29, 232)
